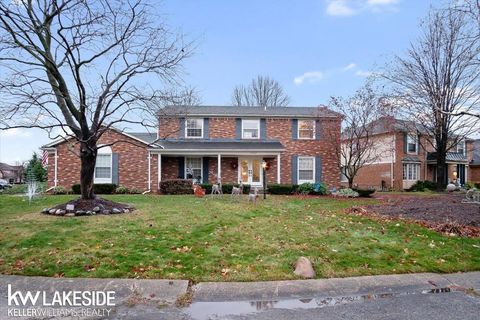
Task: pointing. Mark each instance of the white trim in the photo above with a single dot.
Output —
(416, 143)
(219, 167)
(417, 173)
(149, 181)
(250, 167)
(202, 120)
(185, 167)
(298, 170)
(258, 128)
(314, 129)
(55, 181)
(247, 152)
(278, 169)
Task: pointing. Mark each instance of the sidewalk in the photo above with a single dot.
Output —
(144, 299)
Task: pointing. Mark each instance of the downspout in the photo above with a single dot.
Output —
(392, 165)
(149, 180)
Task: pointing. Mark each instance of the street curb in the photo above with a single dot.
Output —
(334, 287)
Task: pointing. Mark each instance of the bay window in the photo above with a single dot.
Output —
(411, 171)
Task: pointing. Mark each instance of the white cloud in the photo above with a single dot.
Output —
(362, 73)
(347, 8)
(16, 132)
(339, 8)
(309, 76)
(349, 66)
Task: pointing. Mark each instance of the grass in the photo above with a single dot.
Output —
(183, 237)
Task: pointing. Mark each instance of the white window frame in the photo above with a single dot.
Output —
(201, 168)
(314, 129)
(186, 128)
(411, 171)
(415, 138)
(298, 170)
(462, 143)
(258, 129)
(104, 151)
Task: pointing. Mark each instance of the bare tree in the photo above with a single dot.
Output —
(78, 67)
(262, 92)
(436, 84)
(359, 141)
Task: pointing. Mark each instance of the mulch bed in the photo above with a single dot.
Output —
(445, 213)
(89, 207)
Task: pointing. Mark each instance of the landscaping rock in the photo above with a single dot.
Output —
(60, 212)
(45, 210)
(126, 211)
(52, 211)
(70, 214)
(89, 213)
(96, 209)
(451, 187)
(116, 210)
(304, 268)
(106, 211)
(80, 213)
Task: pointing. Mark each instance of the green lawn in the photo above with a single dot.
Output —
(183, 237)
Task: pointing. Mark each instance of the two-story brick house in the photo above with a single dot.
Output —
(406, 156)
(209, 144)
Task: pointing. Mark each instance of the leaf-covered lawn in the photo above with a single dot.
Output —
(183, 237)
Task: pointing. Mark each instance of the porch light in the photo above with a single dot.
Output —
(455, 174)
(264, 164)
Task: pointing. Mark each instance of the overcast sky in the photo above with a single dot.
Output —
(314, 48)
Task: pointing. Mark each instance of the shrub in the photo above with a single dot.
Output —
(320, 188)
(306, 188)
(423, 185)
(347, 192)
(59, 190)
(282, 189)
(364, 193)
(176, 186)
(100, 188)
(135, 191)
(122, 190)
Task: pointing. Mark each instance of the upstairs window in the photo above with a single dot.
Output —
(461, 147)
(306, 129)
(306, 166)
(412, 144)
(194, 128)
(250, 129)
(103, 166)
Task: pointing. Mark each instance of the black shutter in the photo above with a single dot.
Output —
(294, 129)
(205, 128)
(318, 169)
(294, 169)
(115, 178)
(405, 142)
(238, 129)
(181, 167)
(205, 169)
(318, 130)
(263, 129)
(181, 131)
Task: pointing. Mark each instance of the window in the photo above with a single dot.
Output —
(306, 166)
(103, 166)
(194, 128)
(412, 144)
(461, 147)
(306, 129)
(411, 171)
(250, 129)
(193, 169)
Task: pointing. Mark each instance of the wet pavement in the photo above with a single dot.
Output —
(410, 296)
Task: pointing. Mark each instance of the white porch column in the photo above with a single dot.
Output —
(159, 171)
(149, 171)
(56, 168)
(219, 167)
(278, 169)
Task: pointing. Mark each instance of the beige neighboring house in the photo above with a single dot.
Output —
(402, 157)
(12, 174)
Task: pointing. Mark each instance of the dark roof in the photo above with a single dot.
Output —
(219, 144)
(411, 159)
(7, 167)
(234, 111)
(147, 137)
(451, 157)
(388, 124)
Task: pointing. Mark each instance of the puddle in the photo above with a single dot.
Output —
(211, 310)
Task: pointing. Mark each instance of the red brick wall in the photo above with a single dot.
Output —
(168, 128)
(473, 174)
(132, 161)
(222, 128)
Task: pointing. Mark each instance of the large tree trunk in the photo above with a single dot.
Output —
(88, 156)
(350, 183)
(441, 164)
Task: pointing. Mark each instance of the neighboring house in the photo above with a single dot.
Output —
(209, 144)
(406, 157)
(13, 174)
(474, 163)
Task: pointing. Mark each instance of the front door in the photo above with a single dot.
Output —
(250, 171)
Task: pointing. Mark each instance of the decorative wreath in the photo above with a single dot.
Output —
(234, 165)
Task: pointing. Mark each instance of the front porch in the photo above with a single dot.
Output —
(213, 161)
(456, 169)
